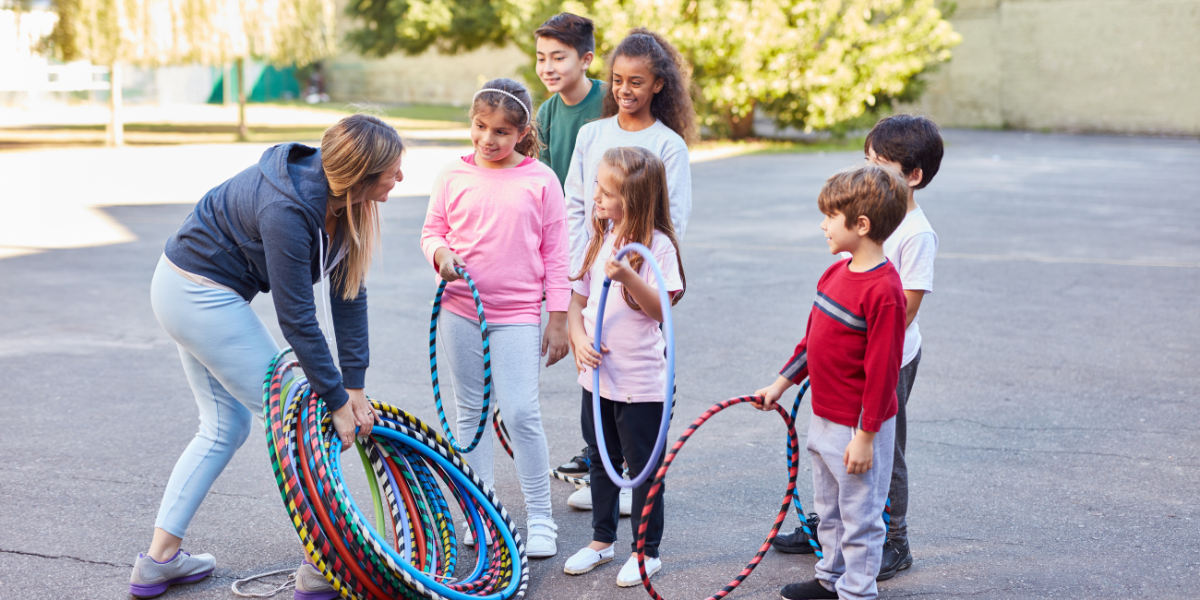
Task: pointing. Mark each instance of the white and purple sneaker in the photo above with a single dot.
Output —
(151, 578)
(312, 585)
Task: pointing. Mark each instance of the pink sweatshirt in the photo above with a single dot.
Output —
(510, 228)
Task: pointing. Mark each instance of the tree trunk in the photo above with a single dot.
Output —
(243, 131)
(742, 127)
(116, 126)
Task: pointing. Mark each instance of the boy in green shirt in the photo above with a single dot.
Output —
(566, 46)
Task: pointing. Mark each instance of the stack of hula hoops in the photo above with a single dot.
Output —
(411, 549)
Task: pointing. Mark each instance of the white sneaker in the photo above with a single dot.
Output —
(630, 576)
(625, 500)
(468, 539)
(587, 559)
(581, 499)
(541, 534)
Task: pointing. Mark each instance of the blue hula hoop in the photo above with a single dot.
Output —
(792, 461)
(487, 364)
(669, 333)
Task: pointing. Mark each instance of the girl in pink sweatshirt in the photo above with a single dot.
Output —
(499, 213)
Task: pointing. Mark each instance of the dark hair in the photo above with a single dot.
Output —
(573, 30)
(869, 190)
(672, 104)
(642, 183)
(912, 141)
(531, 145)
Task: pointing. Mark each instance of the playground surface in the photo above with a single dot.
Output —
(1053, 437)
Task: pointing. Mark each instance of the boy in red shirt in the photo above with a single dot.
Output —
(856, 337)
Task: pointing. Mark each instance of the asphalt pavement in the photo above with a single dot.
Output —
(1053, 438)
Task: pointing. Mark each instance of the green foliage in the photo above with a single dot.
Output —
(806, 63)
(450, 26)
(810, 64)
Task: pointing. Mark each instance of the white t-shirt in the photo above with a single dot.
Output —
(593, 141)
(634, 369)
(912, 248)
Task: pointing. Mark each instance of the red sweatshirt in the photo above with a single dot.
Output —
(856, 332)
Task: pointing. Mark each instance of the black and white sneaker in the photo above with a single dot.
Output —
(577, 465)
(896, 557)
(797, 541)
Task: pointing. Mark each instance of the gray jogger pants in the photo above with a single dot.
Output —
(516, 354)
(850, 506)
(898, 525)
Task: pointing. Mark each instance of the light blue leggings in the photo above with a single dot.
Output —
(225, 350)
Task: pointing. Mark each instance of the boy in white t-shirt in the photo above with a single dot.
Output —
(913, 146)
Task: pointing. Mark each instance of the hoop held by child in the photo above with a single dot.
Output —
(499, 212)
(631, 205)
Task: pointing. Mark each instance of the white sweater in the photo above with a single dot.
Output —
(594, 140)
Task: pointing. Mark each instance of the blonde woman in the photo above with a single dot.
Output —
(301, 216)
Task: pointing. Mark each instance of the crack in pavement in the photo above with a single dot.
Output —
(101, 563)
(61, 557)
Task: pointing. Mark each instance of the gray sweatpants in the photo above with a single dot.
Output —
(850, 506)
(516, 352)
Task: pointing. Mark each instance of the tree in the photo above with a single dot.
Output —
(112, 32)
(211, 32)
(806, 63)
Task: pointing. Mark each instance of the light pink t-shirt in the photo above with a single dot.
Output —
(510, 228)
(634, 369)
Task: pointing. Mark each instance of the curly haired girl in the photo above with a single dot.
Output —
(647, 106)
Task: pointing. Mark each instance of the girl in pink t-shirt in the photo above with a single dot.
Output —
(499, 213)
(631, 205)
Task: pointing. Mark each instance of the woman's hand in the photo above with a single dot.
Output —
(356, 412)
(556, 341)
(620, 271)
(446, 260)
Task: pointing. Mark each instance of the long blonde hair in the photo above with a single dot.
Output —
(642, 185)
(354, 152)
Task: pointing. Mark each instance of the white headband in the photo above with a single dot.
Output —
(528, 117)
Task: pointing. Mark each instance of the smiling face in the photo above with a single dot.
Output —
(378, 191)
(494, 139)
(559, 66)
(634, 85)
(843, 238)
(608, 202)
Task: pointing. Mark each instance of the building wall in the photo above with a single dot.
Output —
(428, 78)
(1129, 66)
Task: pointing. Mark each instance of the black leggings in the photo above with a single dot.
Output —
(630, 430)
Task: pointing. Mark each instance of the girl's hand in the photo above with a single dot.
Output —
(357, 412)
(556, 340)
(446, 261)
(859, 453)
(585, 355)
(620, 272)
